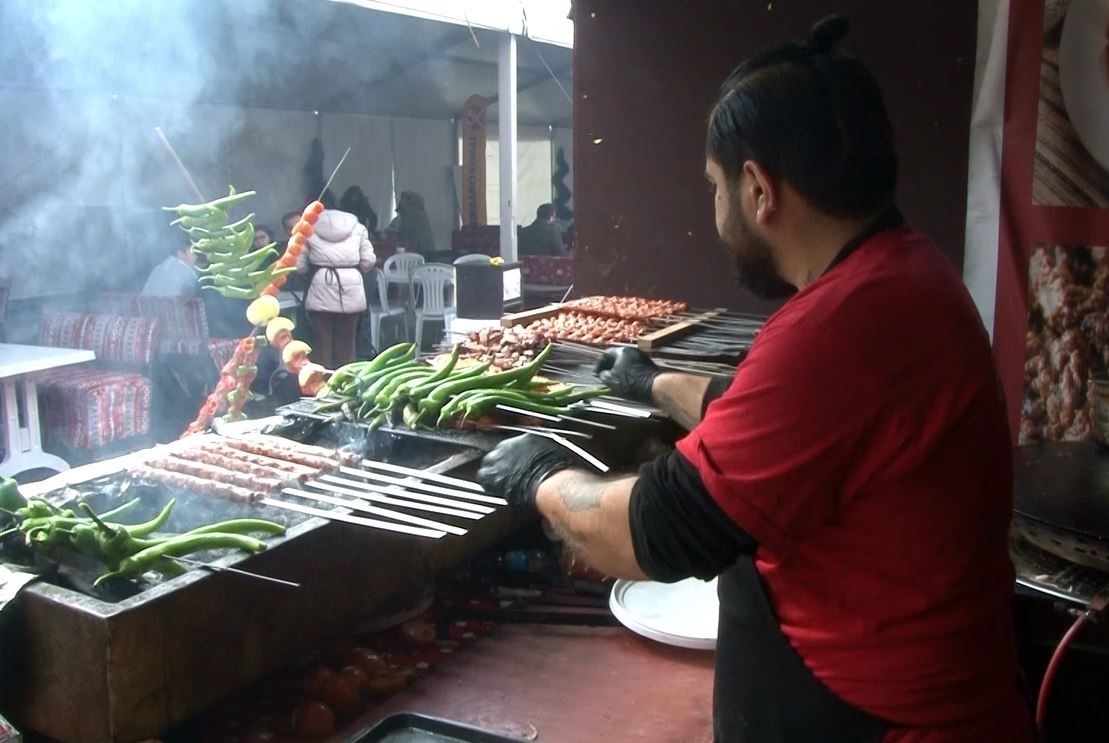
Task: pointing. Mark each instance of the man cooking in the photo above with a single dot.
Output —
(851, 487)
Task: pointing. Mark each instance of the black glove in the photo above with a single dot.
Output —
(628, 372)
(518, 465)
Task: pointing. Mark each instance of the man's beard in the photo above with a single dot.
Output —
(754, 258)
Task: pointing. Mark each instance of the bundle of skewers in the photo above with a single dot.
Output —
(262, 470)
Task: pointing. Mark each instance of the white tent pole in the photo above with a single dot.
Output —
(506, 115)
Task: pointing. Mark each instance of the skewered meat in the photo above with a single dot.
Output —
(298, 471)
(628, 308)
(196, 484)
(589, 329)
(283, 445)
(249, 464)
(504, 348)
(270, 449)
(214, 472)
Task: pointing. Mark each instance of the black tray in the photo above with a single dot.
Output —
(409, 727)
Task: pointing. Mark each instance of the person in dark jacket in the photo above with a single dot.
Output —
(355, 202)
(542, 237)
(411, 225)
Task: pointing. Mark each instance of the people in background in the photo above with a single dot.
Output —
(263, 236)
(289, 221)
(542, 237)
(355, 202)
(176, 275)
(411, 227)
(336, 256)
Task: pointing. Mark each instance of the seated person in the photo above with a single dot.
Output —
(263, 236)
(542, 237)
(289, 221)
(175, 276)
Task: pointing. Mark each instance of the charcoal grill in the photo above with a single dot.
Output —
(125, 664)
(78, 667)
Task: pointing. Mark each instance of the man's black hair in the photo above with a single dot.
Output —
(545, 212)
(812, 116)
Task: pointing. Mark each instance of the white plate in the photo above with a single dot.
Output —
(1083, 76)
(684, 614)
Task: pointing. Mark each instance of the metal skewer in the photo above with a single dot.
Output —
(423, 475)
(388, 490)
(597, 463)
(386, 500)
(247, 573)
(529, 414)
(586, 421)
(357, 520)
(357, 505)
(410, 485)
(536, 429)
(618, 409)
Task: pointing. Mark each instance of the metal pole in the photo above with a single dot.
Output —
(506, 121)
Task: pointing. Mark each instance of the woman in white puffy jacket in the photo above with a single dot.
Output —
(336, 256)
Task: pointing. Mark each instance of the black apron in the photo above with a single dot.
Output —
(764, 692)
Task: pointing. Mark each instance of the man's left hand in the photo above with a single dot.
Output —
(515, 469)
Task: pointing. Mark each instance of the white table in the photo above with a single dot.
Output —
(22, 433)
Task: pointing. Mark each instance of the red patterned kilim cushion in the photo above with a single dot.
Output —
(557, 270)
(87, 409)
(181, 317)
(222, 349)
(130, 341)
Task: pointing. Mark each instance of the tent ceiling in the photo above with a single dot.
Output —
(308, 55)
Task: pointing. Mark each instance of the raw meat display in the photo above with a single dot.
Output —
(627, 308)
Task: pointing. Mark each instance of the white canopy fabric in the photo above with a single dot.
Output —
(541, 20)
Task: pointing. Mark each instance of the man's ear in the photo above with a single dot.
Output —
(760, 192)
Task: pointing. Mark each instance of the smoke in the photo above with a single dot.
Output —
(86, 82)
(234, 84)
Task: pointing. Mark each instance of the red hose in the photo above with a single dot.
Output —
(1052, 667)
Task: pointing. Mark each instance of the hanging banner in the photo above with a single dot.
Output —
(1052, 310)
(473, 161)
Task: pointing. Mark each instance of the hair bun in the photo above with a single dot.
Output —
(827, 32)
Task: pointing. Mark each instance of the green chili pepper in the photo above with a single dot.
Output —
(221, 204)
(371, 392)
(385, 398)
(481, 405)
(346, 372)
(11, 500)
(241, 526)
(422, 391)
(412, 416)
(435, 400)
(119, 510)
(210, 222)
(144, 560)
(443, 373)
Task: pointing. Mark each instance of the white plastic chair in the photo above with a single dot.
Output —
(398, 272)
(398, 268)
(382, 309)
(471, 258)
(434, 282)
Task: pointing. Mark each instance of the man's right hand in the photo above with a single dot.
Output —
(629, 373)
